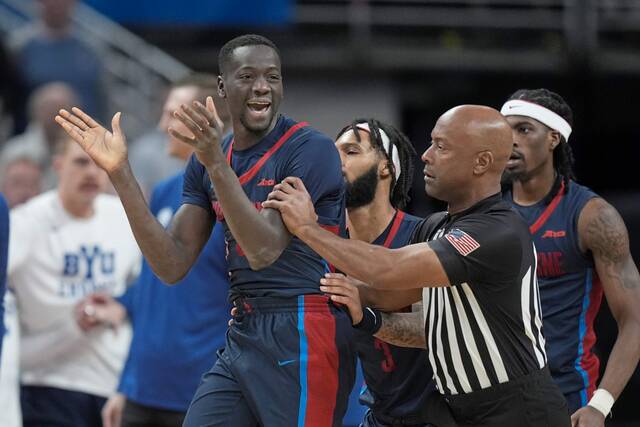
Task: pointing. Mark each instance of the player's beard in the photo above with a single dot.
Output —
(362, 190)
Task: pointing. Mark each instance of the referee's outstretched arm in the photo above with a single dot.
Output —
(410, 267)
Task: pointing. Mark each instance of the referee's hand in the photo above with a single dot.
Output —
(587, 417)
(343, 290)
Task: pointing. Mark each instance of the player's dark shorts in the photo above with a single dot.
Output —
(55, 407)
(529, 401)
(287, 362)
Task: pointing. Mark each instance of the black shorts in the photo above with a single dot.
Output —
(529, 401)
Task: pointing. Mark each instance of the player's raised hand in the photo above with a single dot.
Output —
(293, 201)
(107, 148)
(205, 129)
(343, 290)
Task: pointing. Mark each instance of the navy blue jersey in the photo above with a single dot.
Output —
(290, 149)
(176, 329)
(570, 292)
(398, 379)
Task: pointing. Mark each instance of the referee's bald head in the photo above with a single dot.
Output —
(470, 147)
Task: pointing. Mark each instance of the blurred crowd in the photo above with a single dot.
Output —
(61, 349)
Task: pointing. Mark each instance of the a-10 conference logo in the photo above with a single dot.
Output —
(89, 270)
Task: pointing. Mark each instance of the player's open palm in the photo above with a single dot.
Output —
(205, 128)
(107, 148)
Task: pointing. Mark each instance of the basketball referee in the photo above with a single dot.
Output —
(481, 320)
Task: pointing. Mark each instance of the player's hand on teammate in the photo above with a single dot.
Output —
(107, 148)
(293, 201)
(205, 129)
(112, 411)
(587, 417)
(99, 310)
(343, 290)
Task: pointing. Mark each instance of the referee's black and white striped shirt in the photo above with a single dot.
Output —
(486, 328)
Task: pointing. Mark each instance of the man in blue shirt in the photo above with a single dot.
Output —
(176, 330)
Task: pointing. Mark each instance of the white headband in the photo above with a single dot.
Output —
(518, 107)
(388, 147)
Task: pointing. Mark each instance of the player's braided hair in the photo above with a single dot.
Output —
(245, 40)
(562, 154)
(399, 196)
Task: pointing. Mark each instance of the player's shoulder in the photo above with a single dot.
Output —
(307, 135)
(579, 195)
(411, 219)
(194, 165)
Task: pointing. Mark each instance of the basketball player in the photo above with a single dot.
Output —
(377, 162)
(288, 358)
(583, 251)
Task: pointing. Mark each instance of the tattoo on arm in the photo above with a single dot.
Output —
(608, 240)
(403, 329)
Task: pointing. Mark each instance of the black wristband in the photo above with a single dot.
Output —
(371, 321)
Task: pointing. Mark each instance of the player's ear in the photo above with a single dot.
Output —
(554, 139)
(483, 162)
(384, 169)
(221, 91)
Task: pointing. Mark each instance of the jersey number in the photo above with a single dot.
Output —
(388, 364)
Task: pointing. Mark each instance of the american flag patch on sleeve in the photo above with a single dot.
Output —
(460, 240)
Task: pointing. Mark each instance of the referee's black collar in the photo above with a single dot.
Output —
(482, 205)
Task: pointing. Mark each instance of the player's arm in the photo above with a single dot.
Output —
(262, 235)
(602, 231)
(389, 300)
(401, 329)
(410, 267)
(169, 253)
